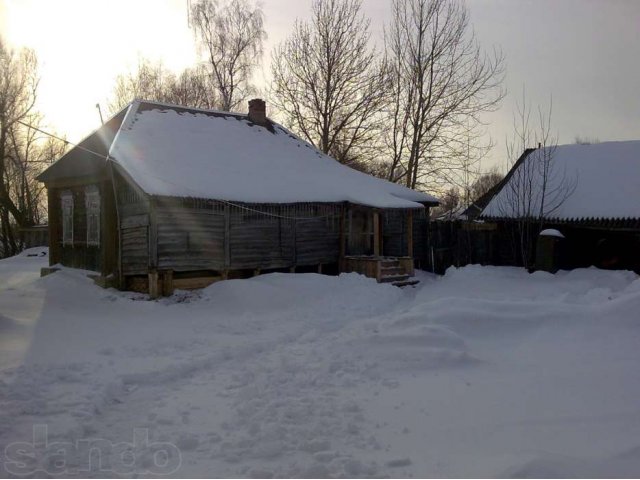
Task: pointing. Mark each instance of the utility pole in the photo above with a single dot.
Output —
(100, 112)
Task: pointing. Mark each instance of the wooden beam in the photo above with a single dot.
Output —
(153, 284)
(194, 283)
(69, 182)
(381, 229)
(153, 236)
(410, 233)
(227, 236)
(376, 234)
(343, 237)
(55, 232)
(167, 283)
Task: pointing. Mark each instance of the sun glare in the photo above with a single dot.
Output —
(83, 45)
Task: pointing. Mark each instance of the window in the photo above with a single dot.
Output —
(67, 218)
(92, 203)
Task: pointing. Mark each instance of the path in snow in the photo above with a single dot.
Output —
(483, 372)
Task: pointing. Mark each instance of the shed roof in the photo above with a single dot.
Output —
(170, 150)
(602, 181)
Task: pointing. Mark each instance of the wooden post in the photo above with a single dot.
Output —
(167, 283)
(153, 284)
(227, 236)
(376, 234)
(410, 233)
(225, 274)
(55, 232)
(153, 235)
(319, 268)
(343, 239)
(381, 230)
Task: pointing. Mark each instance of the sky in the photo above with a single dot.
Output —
(582, 54)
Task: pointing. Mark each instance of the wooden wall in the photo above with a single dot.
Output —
(99, 258)
(209, 235)
(196, 235)
(394, 233)
(133, 213)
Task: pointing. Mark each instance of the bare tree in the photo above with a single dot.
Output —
(230, 37)
(152, 81)
(485, 182)
(441, 83)
(580, 140)
(30, 152)
(537, 185)
(329, 83)
(450, 200)
(23, 150)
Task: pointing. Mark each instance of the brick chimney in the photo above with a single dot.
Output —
(258, 111)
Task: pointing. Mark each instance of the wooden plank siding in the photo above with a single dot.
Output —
(189, 239)
(209, 235)
(55, 226)
(109, 230)
(184, 235)
(79, 254)
(133, 213)
(394, 232)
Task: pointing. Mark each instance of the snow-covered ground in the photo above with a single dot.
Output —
(483, 372)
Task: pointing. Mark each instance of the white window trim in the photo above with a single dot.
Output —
(92, 195)
(66, 199)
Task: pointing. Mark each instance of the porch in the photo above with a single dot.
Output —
(373, 246)
(395, 270)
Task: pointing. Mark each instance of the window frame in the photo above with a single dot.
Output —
(93, 207)
(67, 205)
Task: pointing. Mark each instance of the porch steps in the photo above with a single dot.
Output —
(406, 283)
(392, 272)
(393, 278)
(385, 271)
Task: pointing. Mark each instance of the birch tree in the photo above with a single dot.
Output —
(440, 84)
(230, 36)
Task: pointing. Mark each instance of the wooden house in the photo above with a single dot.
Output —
(591, 198)
(164, 196)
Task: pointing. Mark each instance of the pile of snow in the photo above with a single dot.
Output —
(485, 371)
(551, 232)
(197, 153)
(602, 180)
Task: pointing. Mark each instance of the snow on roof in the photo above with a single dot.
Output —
(176, 151)
(603, 180)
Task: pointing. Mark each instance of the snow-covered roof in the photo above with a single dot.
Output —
(601, 181)
(175, 151)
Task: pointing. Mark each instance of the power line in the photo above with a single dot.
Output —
(66, 142)
(106, 159)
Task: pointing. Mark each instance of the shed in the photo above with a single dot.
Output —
(592, 197)
(164, 196)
